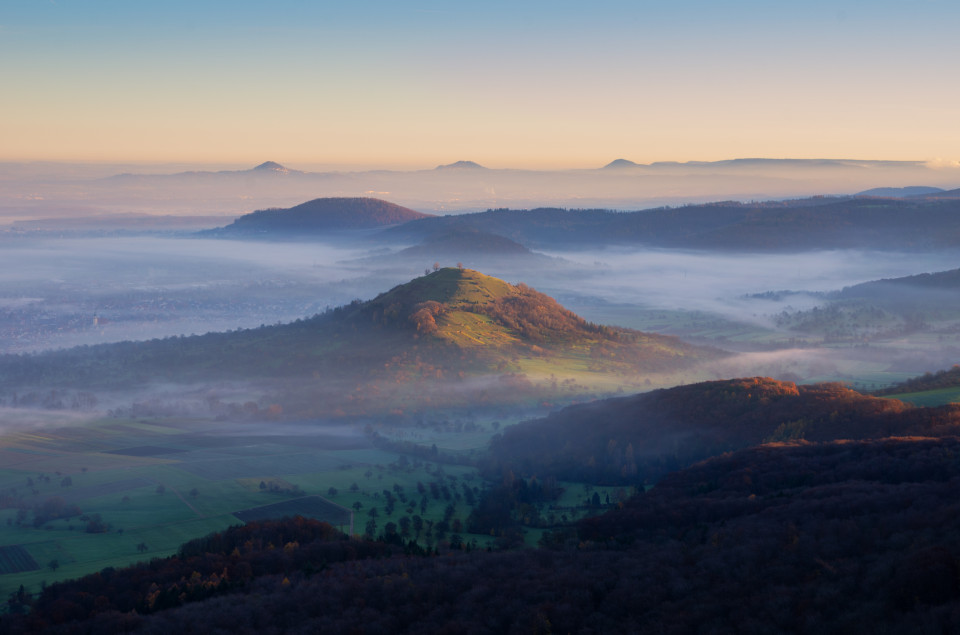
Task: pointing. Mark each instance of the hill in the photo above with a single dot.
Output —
(273, 166)
(887, 310)
(620, 163)
(641, 438)
(411, 346)
(773, 226)
(947, 281)
(461, 165)
(948, 379)
(497, 255)
(318, 216)
(465, 241)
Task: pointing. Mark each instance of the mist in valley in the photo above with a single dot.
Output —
(339, 440)
(61, 292)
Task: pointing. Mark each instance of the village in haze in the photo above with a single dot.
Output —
(387, 318)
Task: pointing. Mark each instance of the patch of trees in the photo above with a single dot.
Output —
(504, 509)
(540, 318)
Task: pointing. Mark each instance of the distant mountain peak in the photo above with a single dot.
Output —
(271, 166)
(621, 163)
(461, 165)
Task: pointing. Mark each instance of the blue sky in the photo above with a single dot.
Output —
(507, 84)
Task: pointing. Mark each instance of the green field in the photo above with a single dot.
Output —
(930, 397)
(118, 491)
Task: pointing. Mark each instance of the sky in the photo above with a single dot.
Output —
(506, 84)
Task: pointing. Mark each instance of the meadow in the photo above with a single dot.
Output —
(108, 492)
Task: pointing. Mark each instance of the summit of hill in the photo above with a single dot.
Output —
(271, 166)
(620, 163)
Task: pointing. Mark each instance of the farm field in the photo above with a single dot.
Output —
(78, 497)
(110, 492)
(930, 397)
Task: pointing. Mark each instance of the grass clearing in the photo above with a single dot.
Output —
(939, 397)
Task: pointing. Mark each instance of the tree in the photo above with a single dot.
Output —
(194, 492)
(436, 266)
(390, 533)
(142, 547)
(332, 491)
(66, 482)
(54, 564)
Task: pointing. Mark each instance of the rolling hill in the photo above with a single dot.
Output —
(317, 217)
(772, 226)
(453, 336)
(643, 437)
(941, 281)
(473, 248)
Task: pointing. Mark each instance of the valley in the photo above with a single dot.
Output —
(159, 389)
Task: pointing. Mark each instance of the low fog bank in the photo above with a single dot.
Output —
(56, 293)
(63, 190)
(722, 283)
(14, 420)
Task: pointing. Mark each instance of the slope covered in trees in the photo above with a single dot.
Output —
(641, 438)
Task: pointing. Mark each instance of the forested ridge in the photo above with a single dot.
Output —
(641, 438)
(792, 225)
